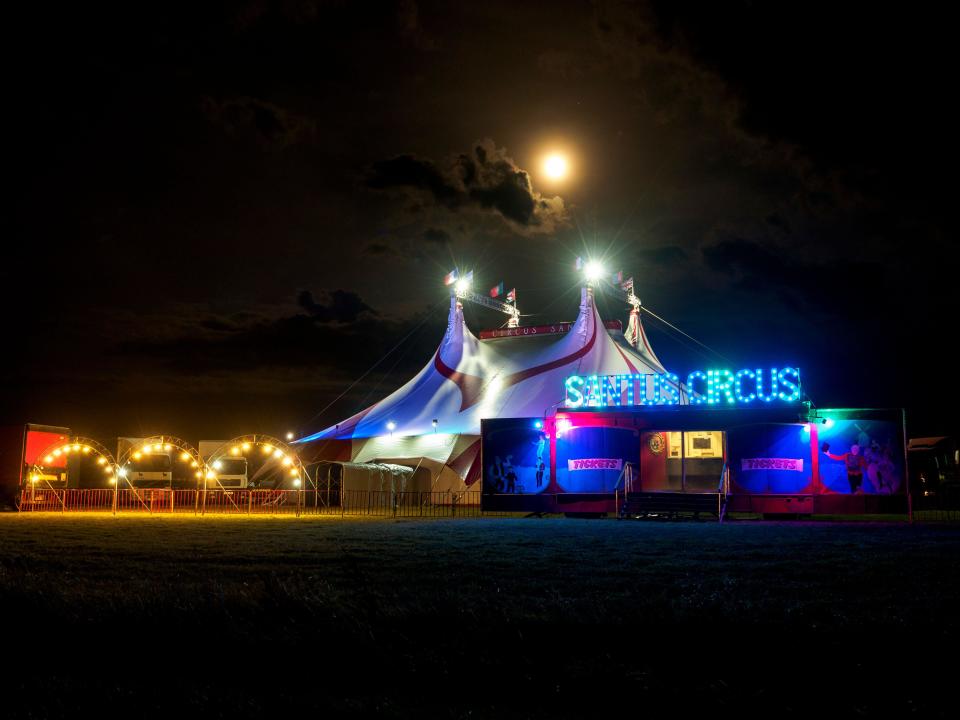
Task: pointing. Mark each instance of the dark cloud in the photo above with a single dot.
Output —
(264, 123)
(666, 255)
(486, 178)
(338, 306)
(380, 249)
(763, 268)
(436, 236)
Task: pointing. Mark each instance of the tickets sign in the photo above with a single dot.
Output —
(594, 464)
(795, 464)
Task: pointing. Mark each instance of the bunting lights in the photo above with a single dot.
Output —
(703, 387)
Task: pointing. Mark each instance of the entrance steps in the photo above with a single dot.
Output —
(672, 505)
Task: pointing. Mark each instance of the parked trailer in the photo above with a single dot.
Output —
(20, 448)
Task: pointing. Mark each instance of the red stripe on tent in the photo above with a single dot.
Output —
(463, 463)
(474, 473)
(625, 359)
(471, 386)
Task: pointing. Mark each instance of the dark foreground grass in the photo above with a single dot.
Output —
(171, 616)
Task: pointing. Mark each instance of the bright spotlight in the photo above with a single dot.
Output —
(290, 436)
(296, 483)
(122, 472)
(217, 465)
(593, 270)
(391, 426)
(462, 285)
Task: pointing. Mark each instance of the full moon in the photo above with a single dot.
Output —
(555, 166)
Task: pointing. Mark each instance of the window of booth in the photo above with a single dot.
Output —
(675, 461)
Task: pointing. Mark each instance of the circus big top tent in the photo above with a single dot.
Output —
(433, 421)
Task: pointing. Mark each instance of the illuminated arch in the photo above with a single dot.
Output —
(185, 453)
(76, 445)
(267, 445)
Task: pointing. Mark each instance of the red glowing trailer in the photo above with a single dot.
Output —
(20, 447)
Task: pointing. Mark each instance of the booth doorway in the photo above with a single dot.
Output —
(690, 461)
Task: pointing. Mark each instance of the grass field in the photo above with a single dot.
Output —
(159, 616)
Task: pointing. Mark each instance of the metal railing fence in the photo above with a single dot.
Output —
(374, 503)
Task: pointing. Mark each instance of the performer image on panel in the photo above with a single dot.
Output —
(854, 462)
(510, 473)
(541, 448)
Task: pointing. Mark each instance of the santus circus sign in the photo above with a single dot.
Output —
(702, 387)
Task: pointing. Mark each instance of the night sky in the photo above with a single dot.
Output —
(224, 214)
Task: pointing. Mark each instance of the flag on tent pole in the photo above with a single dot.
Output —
(512, 296)
(627, 284)
(497, 290)
(617, 277)
(451, 277)
(579, 263)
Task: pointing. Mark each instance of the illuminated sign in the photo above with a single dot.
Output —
(595, 464)
(795, 464)
(703, 387)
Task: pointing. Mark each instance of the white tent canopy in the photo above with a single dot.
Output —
(467, 380)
